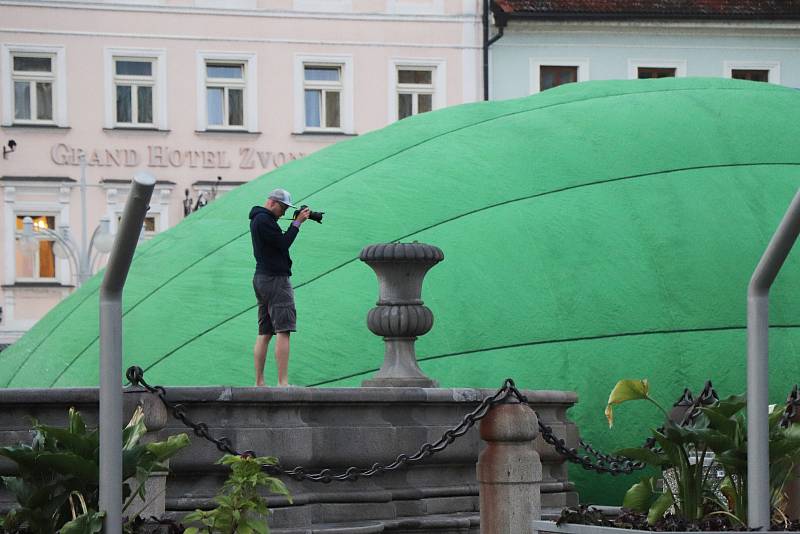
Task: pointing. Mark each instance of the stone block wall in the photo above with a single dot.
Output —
(327, 428)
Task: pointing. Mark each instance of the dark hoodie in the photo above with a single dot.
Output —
(270, 244)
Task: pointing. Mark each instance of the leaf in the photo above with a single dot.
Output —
(85, 444)
(659, 508)
(733, 460)
(88, 523)
(22, 455)
(718, 420)
(163, 450)
(641, 454)
(625, 390)
(715, 440)
(728, 489)
(134, 430)
(68, 463)
(640, 496)
(75, 422)
(732, 405)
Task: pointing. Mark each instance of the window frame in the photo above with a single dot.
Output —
(438, 81)
(324, 87)
(678, 64)
(345, 64)
(248, 85)
(582, 65)
(116, 195)
(158, 57)
(57, 78)
(37, 260)
(773, 68)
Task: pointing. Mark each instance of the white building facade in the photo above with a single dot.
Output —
(205, 95)
(545, 44)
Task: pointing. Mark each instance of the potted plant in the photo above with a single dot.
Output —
(692, 497)
(57, 486)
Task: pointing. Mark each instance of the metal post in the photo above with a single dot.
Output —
(758, 505)
(83, 268)
(111, 350)
(509, 471)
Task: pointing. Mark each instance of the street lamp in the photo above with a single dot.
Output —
(82, 257)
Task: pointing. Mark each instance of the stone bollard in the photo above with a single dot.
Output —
(400, 316)
(509, 470)
(155, 419)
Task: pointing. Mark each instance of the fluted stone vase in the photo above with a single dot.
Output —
(400, 316)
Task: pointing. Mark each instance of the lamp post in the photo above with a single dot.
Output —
(82, 256)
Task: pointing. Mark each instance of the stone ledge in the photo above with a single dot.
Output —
(224, 394)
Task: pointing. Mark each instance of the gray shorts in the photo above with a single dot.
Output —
(276, 311)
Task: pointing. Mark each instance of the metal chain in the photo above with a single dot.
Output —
(605, 463)
(508, 391)
(591, 460)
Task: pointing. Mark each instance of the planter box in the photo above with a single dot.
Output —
(569, 528)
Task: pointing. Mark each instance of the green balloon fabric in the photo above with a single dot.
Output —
(592, 232)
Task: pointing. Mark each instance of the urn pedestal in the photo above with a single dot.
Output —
(400, 316)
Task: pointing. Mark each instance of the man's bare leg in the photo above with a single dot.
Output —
(260, 356)
(282, 357)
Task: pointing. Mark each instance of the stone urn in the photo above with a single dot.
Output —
(400, 316)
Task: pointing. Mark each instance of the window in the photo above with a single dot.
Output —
(757, 71)
(415, 91)
(225, 94)
(415, 85)
(32, 88)
(149, 226)
(552, 76)
(323, 96)
(755, 75)
(38, 263)
(644, 73)
(644, 69)
(33, 78)
(552, 72)
(134, 87)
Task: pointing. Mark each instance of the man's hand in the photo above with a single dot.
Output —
(303, 215)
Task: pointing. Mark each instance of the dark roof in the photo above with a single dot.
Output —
(127, 181)
(35, 179)
(649, 9)
(218, 182)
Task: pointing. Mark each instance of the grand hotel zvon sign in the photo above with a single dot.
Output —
(165, 156)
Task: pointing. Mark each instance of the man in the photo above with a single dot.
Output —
(276, 311)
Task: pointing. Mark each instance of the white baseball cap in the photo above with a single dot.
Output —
(282, 196)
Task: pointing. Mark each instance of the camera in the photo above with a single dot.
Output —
(314, 215)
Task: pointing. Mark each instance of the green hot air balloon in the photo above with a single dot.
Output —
(592, 232)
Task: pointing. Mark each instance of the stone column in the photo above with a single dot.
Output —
(155, 419)
(400, 316)
(509, 470)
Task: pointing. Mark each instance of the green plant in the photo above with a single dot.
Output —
(240, 507)
(682, 449)
(57, 484)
